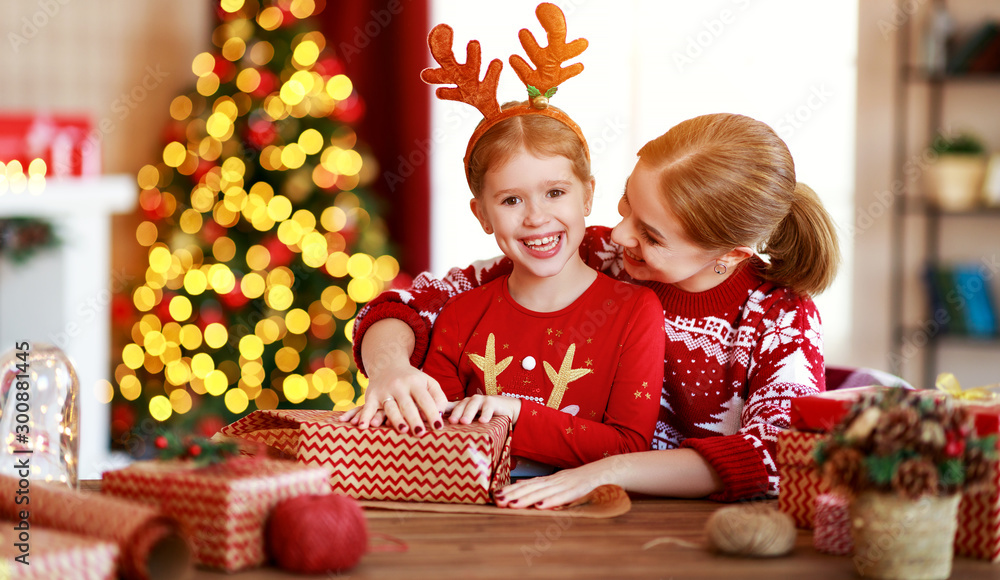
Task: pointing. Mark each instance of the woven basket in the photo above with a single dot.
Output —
(898, 538)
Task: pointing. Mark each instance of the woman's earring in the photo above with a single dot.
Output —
(720, 268)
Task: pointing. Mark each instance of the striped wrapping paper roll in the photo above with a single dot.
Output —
(150, 544)
(56, 555)
(832, 525)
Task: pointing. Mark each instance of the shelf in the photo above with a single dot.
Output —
(915, 74)
(919, 205)
(945, 339)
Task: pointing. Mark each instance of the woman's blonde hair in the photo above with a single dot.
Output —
(540, 135)
(731, 182)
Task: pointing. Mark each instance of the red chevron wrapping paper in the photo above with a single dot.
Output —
(57, 555)
(147, 540)
(456, 464)
(222, 508)
(978, 534)
(800, 480)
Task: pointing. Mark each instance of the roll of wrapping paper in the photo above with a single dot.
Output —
(151, 546)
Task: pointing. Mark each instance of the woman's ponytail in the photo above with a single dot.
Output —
(803, 250)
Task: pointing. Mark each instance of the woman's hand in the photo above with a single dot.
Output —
(397, 393)
(561, 487)
(486, 406)
(403, 397)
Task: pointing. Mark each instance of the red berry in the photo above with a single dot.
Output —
(161, 442)
(955, 448)
(194, 450)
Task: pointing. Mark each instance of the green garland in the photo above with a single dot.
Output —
(198, 450)
(21, 237)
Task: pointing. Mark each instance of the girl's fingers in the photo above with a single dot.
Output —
(456, 411)
(349, 414)
(472, 409)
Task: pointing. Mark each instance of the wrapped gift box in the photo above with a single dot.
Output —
(64, 142)
(222, 508)
(978, 533)
(56, 554)
(455, 464)
(819, 413)
(801, 482)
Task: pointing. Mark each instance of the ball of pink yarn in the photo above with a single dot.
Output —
(315, 534)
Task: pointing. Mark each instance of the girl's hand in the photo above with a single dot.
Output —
(403, 397)
(557, 489)
(486, 406)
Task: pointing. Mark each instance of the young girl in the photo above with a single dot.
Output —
(571, 355)
(743, 336)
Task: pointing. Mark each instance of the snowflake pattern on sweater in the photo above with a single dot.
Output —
(735, 356)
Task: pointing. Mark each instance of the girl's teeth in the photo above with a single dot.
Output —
(543, 244)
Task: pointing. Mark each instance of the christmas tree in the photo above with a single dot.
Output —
(262, 238)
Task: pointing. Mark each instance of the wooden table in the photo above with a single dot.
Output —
(450, 546)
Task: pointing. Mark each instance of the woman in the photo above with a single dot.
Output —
(743, 335)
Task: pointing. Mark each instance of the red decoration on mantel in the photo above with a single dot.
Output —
(66, 143)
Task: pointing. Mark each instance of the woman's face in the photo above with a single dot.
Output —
(655, 244)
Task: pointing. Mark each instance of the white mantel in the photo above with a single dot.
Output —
(63, 296)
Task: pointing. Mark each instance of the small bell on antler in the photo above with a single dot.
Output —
(539, 100)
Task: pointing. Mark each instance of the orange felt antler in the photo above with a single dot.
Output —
(468, 88)
(549, 73)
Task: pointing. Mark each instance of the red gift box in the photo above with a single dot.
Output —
(56, 554)
(821, 412)
(455, 464)
(801, 482)
(832, 529)
(64, 142)
(222, 508)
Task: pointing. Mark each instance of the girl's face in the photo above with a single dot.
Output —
(535, 206)
(655, 244)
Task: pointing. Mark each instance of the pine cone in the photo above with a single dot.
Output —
(845, 470)
(916, 477)
(898, 428)
(956, 419)
(977, 468)
(931, 440)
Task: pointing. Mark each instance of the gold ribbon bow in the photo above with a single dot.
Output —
(947, 383)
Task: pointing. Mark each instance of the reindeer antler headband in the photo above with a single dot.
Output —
(541, 81)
